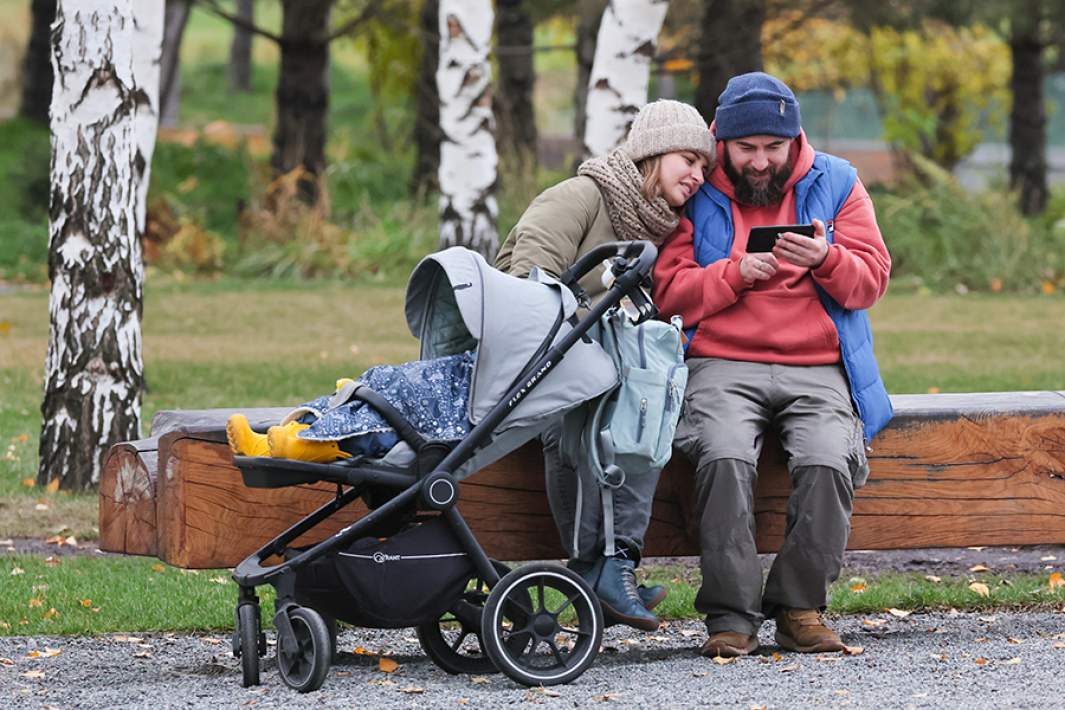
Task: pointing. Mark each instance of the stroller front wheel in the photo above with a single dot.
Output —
(304, 659)
(542, 625)
(248, 630)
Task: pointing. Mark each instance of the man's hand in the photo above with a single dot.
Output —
(758, 266)
(803, 251)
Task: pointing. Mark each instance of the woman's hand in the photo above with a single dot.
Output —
(758, 266)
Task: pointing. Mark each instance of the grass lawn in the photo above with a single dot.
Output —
(237, 343)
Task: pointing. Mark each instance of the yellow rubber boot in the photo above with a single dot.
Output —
(285, 443)
(242, 440)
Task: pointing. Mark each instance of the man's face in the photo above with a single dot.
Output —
(758, 167)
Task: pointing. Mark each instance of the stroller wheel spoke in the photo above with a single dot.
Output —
(458, 641)
(540, 594)
(569, 602)
(574, 632)
(557, 653)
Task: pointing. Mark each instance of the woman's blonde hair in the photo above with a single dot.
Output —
(650, 169)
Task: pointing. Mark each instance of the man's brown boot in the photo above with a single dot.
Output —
(729, 644)
(804, 630)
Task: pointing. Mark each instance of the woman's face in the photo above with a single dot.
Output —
(680, 174)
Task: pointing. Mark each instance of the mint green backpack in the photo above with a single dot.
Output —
(630, 431)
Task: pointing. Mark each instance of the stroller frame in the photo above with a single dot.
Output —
(429, 482)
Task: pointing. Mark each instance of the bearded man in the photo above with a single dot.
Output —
(777, 340)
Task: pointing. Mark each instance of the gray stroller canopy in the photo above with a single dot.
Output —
(456, 302)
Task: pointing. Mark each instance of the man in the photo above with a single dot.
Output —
(777, 340)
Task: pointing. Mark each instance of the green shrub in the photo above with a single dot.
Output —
(942, 237)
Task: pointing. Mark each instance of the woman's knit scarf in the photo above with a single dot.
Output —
(631, 215)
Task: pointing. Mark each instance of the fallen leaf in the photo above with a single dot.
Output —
(980, 588)
(127, 639)
(827, 659)
(989, 619)
(1056, 581)
(360, 651)
(933, 390)
(853, 650)
(978, 568)
(980, 661)
(606, 697)
(211, 640)
(412, 690)
(33, 674)
(688, 633)
(218, 580)
(900, 613)
(52, 561)
(789, 669)
(978, 549)
(722, 661)
(30, 483)
(934, 579)
(480, 680)
(36, 601)
(158, 568)
(857, 588)
(1044, 558)
(1047, 287)
(545, 691)
(50, 614)
(1059, 645)
(41, 507)
(142, 654)
(940, 656)
(52, 486)
(1013, 662)
(463, 701)
(777, 657)
(343, 674)
(874, 622)
(1013, 640)
(6, 662)
(387, 665)
(16, 571)
(86, 603)
(380, 681)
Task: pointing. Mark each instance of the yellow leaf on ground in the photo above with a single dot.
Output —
(900, 613)
(360, 651)
(980, 588)
(857, 588)
(86, 603)
(1013, 662)
(980, 661)
(16, 571)
(52, 486)
(1047, 287)
(1056, 581)
(36, 601)
(874, 622)
(480, 680)
(934, 579)
(33, 674)
(412, 690)
(978, 568)
(387, 665)
(158, 567)
(853, 650)
(606, 697)
(5, 327)
(722, 661)
(29, 482)
(50, 614)
(1013, 640)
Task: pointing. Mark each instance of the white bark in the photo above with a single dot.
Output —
(93, 369)
(467, 150)
(617, 87)
(147, 53)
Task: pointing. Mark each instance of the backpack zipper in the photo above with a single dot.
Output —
(643, 419)
(670, 386)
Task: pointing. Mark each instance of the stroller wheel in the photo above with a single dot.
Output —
(453, 642)
(248, 630)
(542, 625)
(304, 663)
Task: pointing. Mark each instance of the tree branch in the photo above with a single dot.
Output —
(214, 7)
(351, 25)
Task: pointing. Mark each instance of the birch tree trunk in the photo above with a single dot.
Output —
(148, 23)
(589, 15)
(93, 369)
(617, 88)
(467, 149)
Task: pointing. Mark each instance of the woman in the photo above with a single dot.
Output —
(636, 191)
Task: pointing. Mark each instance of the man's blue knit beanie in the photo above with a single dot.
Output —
(756, 104)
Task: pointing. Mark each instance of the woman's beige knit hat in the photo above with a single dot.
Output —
(666, 126)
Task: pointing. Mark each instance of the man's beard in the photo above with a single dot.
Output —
(771, 191)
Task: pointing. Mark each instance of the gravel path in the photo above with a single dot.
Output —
(924, 660)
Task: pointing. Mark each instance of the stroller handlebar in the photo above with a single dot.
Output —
(636, 255)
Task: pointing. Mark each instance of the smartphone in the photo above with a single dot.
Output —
(763, 239)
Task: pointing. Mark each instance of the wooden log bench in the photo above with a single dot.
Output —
(951, 470)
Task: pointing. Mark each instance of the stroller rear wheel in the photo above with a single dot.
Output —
(249, 633)
(453, 642)
(542, 625)
(304, 660)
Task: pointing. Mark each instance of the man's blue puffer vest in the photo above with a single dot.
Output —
(820, 194)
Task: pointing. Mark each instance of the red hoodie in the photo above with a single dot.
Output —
(779, 320)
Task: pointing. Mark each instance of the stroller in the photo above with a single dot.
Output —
(412, 561)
